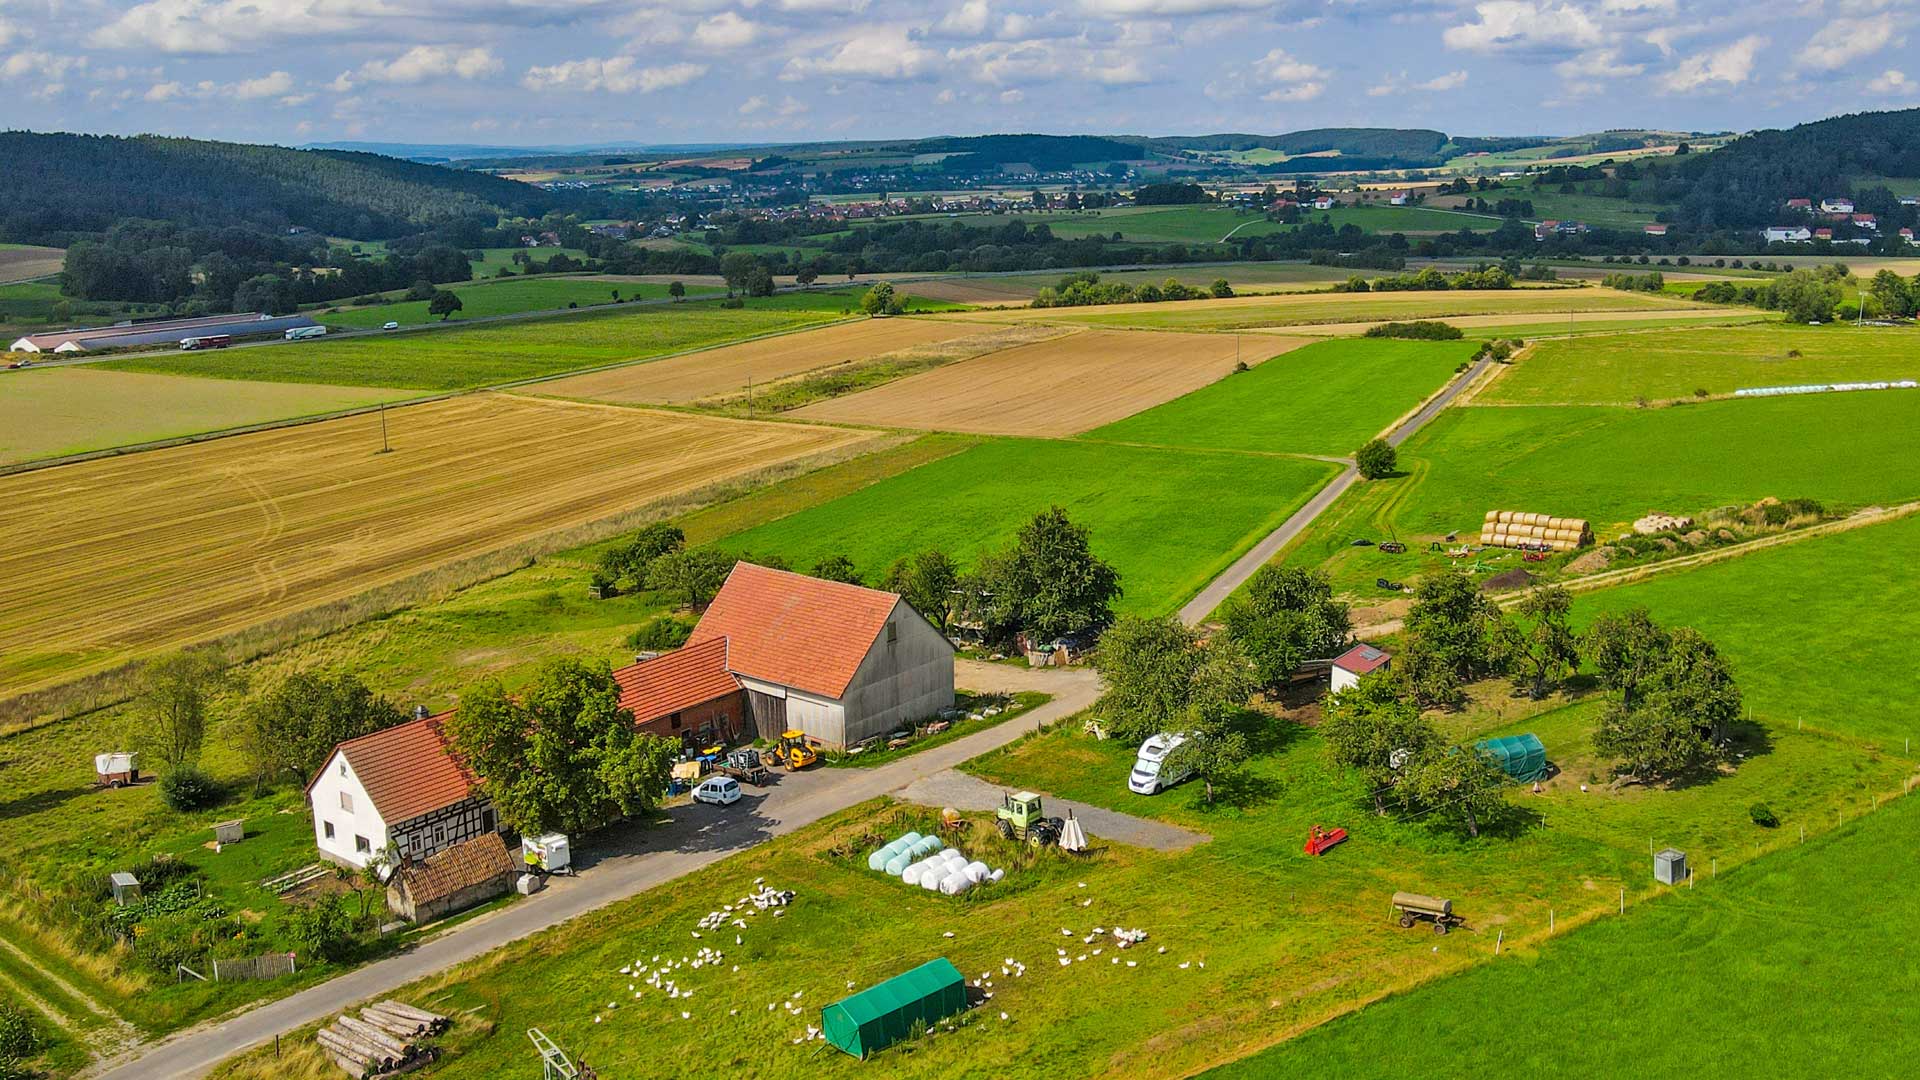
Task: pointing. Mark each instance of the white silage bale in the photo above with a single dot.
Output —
(978, 872)
(998, 874)
(913, 873)
(930, 877)
(908, 839)
(898, 864)
(948, 853)
(955, 884)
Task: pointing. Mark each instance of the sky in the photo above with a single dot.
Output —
(553, 72)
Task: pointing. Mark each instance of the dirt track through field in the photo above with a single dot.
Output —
(1059, 387)
(725, 370)
(110, 559)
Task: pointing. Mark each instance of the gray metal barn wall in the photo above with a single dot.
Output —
(902, 681)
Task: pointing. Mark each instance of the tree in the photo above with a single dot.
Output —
(420, 290)
(677, 290)
(807, 276)
(1456, 784)
(561, 754)
(269, 293)
(1892, 293)
(1654, 741)
(694, 574)
(324, 927)
(1540, 648)
(1149, 666)
(836, 568)
(1050, 583)
(1220, 289)
(1806, 297)
(1215, 749)
(1376, 459)
(1625, 648)
(176, 695)
(291, 728)
(444, 304)
(1679, 710)
(736, 267)
(1451, 617)
(881, 300)
(759, 280)
(1284, 617)
(1373, 727)
(628, 565)
(927, 582)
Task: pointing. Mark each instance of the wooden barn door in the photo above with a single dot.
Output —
(769, 714)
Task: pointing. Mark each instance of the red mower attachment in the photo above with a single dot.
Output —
(1321, 838)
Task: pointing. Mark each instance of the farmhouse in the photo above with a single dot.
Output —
(1324, 202)
(401, 787)
(1656, 230)
(1787, 234)
(1805, 206)
(160, 332)
(1836, 206)
(1823, 234)
(1866, 221)
(1360, 660)
(1398, 198)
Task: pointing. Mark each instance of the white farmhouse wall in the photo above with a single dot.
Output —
(350, 826)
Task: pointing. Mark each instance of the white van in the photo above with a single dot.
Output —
(1147, 777)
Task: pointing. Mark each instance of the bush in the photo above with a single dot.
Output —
(661, 634)
(187, 789)
(18, 1038)
(1376, 460)
(1763, 815)
(1419, 330)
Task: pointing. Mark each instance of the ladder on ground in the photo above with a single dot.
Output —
(552, 1057)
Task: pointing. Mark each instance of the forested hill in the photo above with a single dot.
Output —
(58, 186)
(1747, 181)
(1417, 146)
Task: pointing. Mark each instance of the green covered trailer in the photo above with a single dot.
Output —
(1519, 756)
(881, 1015)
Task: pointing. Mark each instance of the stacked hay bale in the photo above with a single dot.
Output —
(1519, 529)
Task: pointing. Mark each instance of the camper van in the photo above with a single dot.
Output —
(1147, 777)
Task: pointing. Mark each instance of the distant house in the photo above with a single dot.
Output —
(1324, 202)
(471, 872)
(1656, 230)
(1790, 234)
(1910, 200)
(1552, 227)
(1866, 221)
(401, 787)
(1836, 206)
(1823, 234)
(1360, 660)
(1805, 206)
(1398, 198)
(1907, 235)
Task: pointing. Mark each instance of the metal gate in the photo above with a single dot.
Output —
(769, 714)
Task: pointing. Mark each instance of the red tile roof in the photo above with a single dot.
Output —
(677, 680)
(1361, 659)
(408, 769)
(455, 869)
(795, 630)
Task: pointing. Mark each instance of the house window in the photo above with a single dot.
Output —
(362, 844)
(343, 767)
(328, 826)
(893, 632)
(413, 841)
(346, 801)
(488, 823)
(439, 835)
(675, 721)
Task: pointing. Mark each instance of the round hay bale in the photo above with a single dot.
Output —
(913, 873)
(897, 866)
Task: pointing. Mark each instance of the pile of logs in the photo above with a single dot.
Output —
(384, 1039)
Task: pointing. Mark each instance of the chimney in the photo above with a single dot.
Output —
(419, 712)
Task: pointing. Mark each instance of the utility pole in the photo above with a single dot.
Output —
(384, 447)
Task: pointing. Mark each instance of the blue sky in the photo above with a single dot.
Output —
(523, 72)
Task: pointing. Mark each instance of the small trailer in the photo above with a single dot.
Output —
(745, 766)
(550, 853)
(116, 769)
(1413, 907)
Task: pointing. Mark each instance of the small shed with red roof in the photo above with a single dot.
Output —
(1360, 660)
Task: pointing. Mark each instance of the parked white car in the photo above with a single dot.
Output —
(1149, 777)
(391, 326)
(718, 790)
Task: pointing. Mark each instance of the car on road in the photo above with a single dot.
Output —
(19, 364)
(718, 790)
(391, 326)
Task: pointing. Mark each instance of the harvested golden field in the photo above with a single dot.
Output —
(108, 560)
(1293, 309)
(1545, 322)
(53, 411)
(20, 262)
(725, 370)
(1058, 387)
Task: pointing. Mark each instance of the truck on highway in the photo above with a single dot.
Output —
(302, 333)
(210, 341)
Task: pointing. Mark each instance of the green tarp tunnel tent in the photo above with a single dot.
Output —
(881, 1015)
(1519, 756)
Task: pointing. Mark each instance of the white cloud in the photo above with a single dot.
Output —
(1599, 64)
(422, 63)
(614, 75)
(1012, 97)
(1524, 26)
(881, 54)
(1839, 43)
(1277, 66)
(1731, 64)
(1171, 7)
(1002, 63)
(10, 31)
(1892, 83)
(970, 19)
(225, 26)
(1113, 68)
(1452, 80)
(753, 105)
(1303, 92)
(275, 84)
(50, 67)
(165, 91)
(726, 30)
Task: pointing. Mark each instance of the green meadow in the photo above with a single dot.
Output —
(506, 297)
(1680, 363)
(1168, 520)
(1324, 398)
(490, 354)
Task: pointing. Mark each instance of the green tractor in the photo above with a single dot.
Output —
(1020, 818)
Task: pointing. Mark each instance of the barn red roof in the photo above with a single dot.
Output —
(408, 769)
(795, 630)
(1361, 659)
(677, 680)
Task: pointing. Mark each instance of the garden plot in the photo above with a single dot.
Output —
(1057, 387)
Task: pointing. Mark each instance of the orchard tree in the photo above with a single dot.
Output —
(629, 564)
(1149, 665)
(175, 699)
(881, 300)
(1216, 748)
(560, 754)
(291, 728)
(693, 575)
(836, 568)
(1284, 617)
(1460, 626)
(927, 582)
(1679, 715)
(1050, 583)
(1540, 647)
(1625, 648)
(1376, 460)
(444, 304)
(1374, 728)
(1456, 784)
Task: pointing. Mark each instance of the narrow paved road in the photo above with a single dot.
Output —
(1196, 610)
(620, 867)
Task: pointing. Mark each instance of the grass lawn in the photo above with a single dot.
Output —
(1326, 398)
(1611, 465)
(1675, 364)
(1781, 969)
(1168, 520)
(1383, 218)
(481, 299)
(485, 355)
(492, 259)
